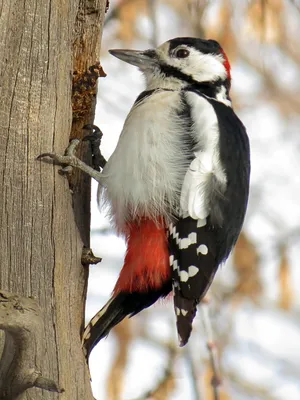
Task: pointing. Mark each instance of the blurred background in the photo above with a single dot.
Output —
(254, 302)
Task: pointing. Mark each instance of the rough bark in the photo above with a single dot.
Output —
(43, 228)
(21, 319)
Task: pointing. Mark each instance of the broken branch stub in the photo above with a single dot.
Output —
(20, 318)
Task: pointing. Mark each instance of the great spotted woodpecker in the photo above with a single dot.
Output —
(177, 183)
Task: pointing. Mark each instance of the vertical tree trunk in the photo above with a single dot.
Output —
(42, 228)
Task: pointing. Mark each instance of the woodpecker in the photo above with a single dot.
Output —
(177, 183)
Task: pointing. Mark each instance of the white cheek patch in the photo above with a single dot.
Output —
(201, 67)
(206, 67)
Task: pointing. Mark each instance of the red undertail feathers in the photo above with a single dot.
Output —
(146, 265)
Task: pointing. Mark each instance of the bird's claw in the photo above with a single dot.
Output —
(95, 140)
(95, 135)
(68, 159)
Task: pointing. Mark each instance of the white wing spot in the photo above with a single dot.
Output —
(184, 276)
(183, 312)
(171, 258)
(203, 249)
(177, 311)
(186, 242)
(193, 270)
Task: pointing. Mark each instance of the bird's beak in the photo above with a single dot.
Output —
(142, 59)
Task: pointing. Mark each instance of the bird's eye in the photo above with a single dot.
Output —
(182, 53)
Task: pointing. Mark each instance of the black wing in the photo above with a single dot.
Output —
(196, 251)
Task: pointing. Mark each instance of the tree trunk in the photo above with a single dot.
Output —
(43, 228)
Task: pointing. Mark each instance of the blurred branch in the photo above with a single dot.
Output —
(246, 264)
(115, 382)
(249, 388)
(263, 18)
(286, 295)
(287, 46)
(196, 10)
(296, 4)
(152, 5)
(212, 348)
(284, 98)
(114, 13)
(194, 377)
(285, 367)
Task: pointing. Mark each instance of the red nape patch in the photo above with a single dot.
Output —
(146, 266)
(227, 65)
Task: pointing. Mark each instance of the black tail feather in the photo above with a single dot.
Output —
(115, 310)
(185, 310)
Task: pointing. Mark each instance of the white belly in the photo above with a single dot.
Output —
(145, 173)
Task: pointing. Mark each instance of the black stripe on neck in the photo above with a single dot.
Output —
(210, 89)
(144, 95)
(148, 93)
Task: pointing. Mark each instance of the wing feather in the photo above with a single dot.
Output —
(193, 200)
(213, 204)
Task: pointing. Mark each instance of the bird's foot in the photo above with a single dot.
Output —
(69, 159)
(95, 140)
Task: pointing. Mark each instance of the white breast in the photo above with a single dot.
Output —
(145, 173)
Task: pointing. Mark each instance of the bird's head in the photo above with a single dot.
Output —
(180, 62)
